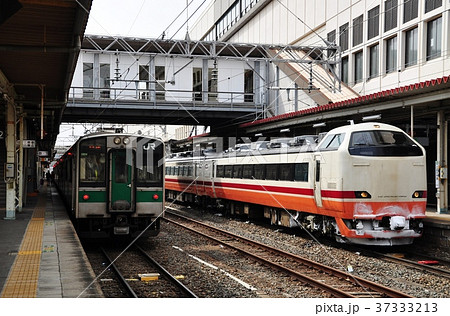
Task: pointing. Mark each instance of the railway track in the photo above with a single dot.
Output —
(156, 281)
(330, 280)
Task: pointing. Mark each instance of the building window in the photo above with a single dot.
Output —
(358, 30)
(344, 70)
(160, 78)
(410, 10)
(331, 38)
(434, 38)
(390, 14)
(343, 37)
(373, 22)
(391, 54)
(358, 66)
(411, 45)
(374, 53)
(430, 5)
(88, 79)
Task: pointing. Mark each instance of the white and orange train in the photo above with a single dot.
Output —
(363, 183)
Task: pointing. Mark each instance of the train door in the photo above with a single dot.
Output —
(317, 186)
(120, 182)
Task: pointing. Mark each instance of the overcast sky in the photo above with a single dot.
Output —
(142, 18)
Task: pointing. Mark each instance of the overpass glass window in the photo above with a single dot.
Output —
(104, 81)
(411, 45)
(373, 22)
(391, 54)
(93, 162)
(390, 14)
(213, 74)
(430, 5)
(197, 83)
(434, 38)
(248, 85)
(144, 84)
(301, 172)
(160, 78)
(88, 80)
(410, 10)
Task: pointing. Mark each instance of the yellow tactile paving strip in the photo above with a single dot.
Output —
(24, 275)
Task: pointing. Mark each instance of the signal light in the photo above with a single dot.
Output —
(155, 196)
(86, 197)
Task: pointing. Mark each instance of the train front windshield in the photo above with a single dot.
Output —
(149, 163)
(382, 144)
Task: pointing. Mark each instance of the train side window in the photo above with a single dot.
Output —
(260, 172)
(247, 172)
(286, 172)
(220, 171)
(237, 171)
(301, 172)
(228, 171)
(189, 171)
(271, 172)
(332, 142)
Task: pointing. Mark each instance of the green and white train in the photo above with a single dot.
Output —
(113, 184)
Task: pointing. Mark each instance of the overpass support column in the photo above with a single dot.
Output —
(11, 167)
(441, 164)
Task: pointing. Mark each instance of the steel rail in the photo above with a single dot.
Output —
(119, 275)
(166, 273)
(365, 284)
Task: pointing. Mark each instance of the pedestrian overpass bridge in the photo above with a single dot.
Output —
(184, 82)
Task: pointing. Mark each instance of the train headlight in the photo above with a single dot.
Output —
(126, 140)
(117, 140)
(419, 194)
(362, 195)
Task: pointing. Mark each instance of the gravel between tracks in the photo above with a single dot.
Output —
(407, 280)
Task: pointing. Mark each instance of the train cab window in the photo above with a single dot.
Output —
(237, 171)
(271, 172)
(260, 172)
(220, 171)
(247, 172)
(228, 171)
(301, 172)
(149, 166)
(286, 172)
(93, 162)
(383, 143)
(332, 142)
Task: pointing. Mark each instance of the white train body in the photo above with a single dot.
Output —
(363, 184)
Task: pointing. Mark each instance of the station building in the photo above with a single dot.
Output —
(393, 61)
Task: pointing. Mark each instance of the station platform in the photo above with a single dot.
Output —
(40, 253)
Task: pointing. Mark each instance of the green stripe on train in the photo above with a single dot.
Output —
(94, 196)
(147, 196)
